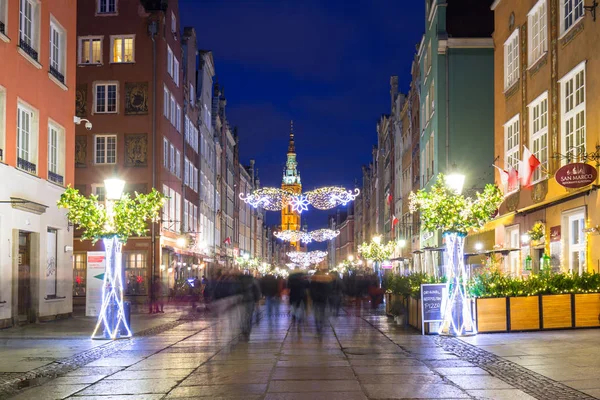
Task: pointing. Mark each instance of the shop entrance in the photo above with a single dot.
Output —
(24, 286)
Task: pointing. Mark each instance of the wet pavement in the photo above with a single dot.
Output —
(357, 357)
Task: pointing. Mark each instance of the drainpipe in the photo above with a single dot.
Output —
(153, 30)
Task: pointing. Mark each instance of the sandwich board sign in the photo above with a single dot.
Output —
(434, 297)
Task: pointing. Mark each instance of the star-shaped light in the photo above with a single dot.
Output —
(299, 204)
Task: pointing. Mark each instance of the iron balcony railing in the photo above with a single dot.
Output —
(56, 178)
(57, 74)
(26, 165)
(31, 52)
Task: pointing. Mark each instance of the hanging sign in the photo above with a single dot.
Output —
(387, 264)
(576, 175)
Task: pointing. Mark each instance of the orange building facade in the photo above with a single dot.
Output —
(291, 220)
(547, 85)
(37, 136)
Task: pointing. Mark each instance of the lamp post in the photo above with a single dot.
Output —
(112, 318)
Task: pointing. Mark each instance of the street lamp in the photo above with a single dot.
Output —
(181, 242)
(114, 188)
(246, 256)
(350, 258)
(478, 246)
(402, 243)
(455, 182)
(377, 240)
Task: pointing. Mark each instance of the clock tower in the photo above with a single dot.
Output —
(290, 220)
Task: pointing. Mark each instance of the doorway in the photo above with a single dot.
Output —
(24, 278)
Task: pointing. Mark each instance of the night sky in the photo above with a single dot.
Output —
(325, 64)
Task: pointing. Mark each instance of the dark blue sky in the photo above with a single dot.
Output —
(325, 64)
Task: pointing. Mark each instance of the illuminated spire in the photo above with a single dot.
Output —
(292, 146)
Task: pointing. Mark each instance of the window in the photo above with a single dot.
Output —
(165, 153)
(166, 97)
(55, 153)
(173, 22)
(107, 6)
(135, 273)
(178, 116)
(537, 32)
(573, 133)
(538, 126)
(176, 71)
(57, 51)
(573, 223)
(570, 12)
(430, 157)
(173, 111)
(427, 111)
(431, 99)
(511, 60)
(28, 27)
(512, 155)
(186, 215)
(3, 18)
(172, 215)
(165, 211)
(178, 164)
(177, 212)
(512, 238)
(172, 158)
(192, 95)
(90, 50)
(105, 98)
(169, 60)
(428, 59)
(186, 172)
(26, 139)
(106, 149)
(79, 274)
(123, 49)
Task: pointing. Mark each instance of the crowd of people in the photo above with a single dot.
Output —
(239, 293)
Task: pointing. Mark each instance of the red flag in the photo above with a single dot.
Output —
(227, 240)
(389, 199)
(513, 179)
(528, 167)
(394, 220)
(503, 175)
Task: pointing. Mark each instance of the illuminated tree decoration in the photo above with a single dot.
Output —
(319, 235)
(329, 197)
(376, 252)
(445, 209)
(299, 204)
(271, 199)
(305, 259)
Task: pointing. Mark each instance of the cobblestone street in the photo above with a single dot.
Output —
(357, 357)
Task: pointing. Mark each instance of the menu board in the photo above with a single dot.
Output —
(433, 302)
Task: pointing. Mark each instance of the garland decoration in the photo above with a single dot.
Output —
(319, 235)
(376, 252)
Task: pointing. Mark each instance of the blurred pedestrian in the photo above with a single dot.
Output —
(320, 289)
(297, 286)
(157, 290)
(270, 289)
(337, 293)
(250, 292)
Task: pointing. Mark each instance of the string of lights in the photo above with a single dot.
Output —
(319, 235)
(271, 199)
(305, 259)
(274, 199)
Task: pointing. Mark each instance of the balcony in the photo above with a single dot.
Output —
(55, 73)
(30, 51)
(56, 178)
(26, 166)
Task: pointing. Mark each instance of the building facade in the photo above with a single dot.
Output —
(456, 95)
(290, 219)
(546, 80)
(37, 141)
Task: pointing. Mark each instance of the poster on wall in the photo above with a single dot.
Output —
(96, 261)
(51, 259)
(555, 247)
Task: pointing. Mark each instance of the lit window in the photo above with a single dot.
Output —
(106, 98)
(79, 274)
(28, 27)
(165, 153)
(178, 116)
(573, 133)
(538, 32)
(55, 153)
(106, 149)
(173, 110)
(26, 139)
(538, 125)
(178, 164)
(511, 60)
(192, 95)
(123, 49)
(90, 50)
(166, 97)
(512, 154)
(135, 273)
(169, 60)
(176, 71)
(57, 51)
(570, 12)
(107, 6)
(172, 158)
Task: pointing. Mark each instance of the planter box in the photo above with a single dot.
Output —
(414, 313)
(388, 303)
(491, 315)
(524, 313)
(556, 311)
(587, 310)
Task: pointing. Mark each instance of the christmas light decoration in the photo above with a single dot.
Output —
(299, 204)
(319, 235)
(271, 199)
(444, 208)
(305, 259)
(329, 197)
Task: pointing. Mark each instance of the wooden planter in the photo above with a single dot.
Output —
(414, 313)
(388, 303)
(491, 315)
(524, 313)
(556, 311)
(587, 310)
